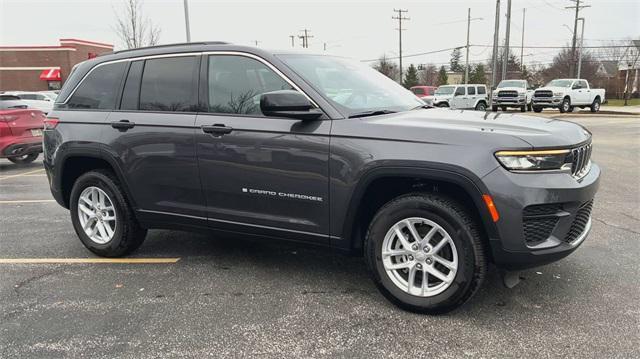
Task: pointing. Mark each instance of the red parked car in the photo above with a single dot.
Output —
(423, 91)
(20, 130)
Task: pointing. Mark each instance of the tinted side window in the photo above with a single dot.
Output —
(27, 96)
(99, 88)
(236, 83)
(418, 91)
(131, 92)
(583, 84)
(168, 84)
(459, 91)
(482, 90)
(471, 90)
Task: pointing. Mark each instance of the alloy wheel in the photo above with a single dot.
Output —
(419, 257)
(97, 215)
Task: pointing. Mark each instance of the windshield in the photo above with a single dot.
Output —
(351, 85)
(445, 90)
(560, 83)
(504, 84)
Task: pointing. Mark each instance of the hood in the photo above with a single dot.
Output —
(496, 130)
(554, 89)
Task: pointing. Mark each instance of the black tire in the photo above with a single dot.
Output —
(462, 229)
(571, 109)
(128, 234)
(537, 109)
(503, 108)
(595, 106)
(442, 104)
(494, 108)
(529, 107)
(523, 108)
(25, 159)
(565, 106)
(481, 106)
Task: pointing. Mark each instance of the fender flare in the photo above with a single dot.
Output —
(456, 175)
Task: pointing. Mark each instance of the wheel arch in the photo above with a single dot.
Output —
(397, 180)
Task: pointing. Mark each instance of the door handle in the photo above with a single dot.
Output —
(123, 125)
(217, 129)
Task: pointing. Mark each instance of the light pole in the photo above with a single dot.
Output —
(186, 20)
(494, 61)
(466, 67)
(580, 51)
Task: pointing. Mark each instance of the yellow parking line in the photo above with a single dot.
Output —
(28, 201)
(21, 174)
(88, 260)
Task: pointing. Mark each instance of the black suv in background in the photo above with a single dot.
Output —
(318, 149)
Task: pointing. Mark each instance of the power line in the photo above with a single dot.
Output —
(400, 17)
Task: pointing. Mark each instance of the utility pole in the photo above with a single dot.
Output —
(494, 60)
(256, 42)
(293, 37)
(524, 13)
(466, 67)
(305, 38)
(186, 20)
(580, 51)
(505, 56)
(400, 17)
(578, 7)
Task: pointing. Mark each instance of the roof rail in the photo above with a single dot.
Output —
(176, 44)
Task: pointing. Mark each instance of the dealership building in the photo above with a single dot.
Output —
(37, 68)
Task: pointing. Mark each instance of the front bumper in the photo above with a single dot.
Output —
(544, 102)
(509, 101)
(544, 217)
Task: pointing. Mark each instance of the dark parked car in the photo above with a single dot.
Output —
(317, 149)
(20, 130)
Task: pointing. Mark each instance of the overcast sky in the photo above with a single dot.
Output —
(358, 29)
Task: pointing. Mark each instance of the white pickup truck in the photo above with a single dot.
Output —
(566, 94)
(512, 93)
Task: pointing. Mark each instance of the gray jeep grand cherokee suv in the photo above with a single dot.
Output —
(317, 149)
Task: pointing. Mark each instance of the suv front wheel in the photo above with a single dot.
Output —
(102, 217)
(425, 253)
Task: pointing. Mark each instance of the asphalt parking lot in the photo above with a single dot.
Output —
(235, 297)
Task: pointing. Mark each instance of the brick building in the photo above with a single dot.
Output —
(36, 68)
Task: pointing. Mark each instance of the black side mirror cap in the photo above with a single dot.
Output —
(288, 104)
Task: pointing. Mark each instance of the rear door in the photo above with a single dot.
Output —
(265, 175)
(152, 137)
(471, 97)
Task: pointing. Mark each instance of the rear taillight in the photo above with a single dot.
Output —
(8, 118)
(51, 123)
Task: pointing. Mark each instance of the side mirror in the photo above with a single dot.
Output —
(289, 104)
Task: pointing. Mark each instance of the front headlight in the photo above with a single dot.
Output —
(557, 94)
(535, 160)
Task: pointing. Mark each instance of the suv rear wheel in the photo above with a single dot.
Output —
(425, 253)
(102, 217)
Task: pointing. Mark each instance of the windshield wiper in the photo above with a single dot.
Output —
(371, 113)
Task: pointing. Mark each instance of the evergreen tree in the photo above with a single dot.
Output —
(443, 79)
(478, 75)
(454, 63)
(411, 77)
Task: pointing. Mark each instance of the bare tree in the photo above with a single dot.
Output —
(429, 75)
(562, 62)
(387, 68)
(631, 60)
(133, 28)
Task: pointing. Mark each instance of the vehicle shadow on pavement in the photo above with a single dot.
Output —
(324, 271)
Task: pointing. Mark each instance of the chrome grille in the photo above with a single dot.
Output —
(543, 93)
(581, 160)
(507, 93)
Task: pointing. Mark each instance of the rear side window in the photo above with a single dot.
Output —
(131, 92)
(99, 89)
(471, 90)
(482, 90)
(459, 91)
(168, 84)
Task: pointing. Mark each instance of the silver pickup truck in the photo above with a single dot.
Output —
(566, 94)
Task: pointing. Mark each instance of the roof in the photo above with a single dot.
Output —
(610, 67)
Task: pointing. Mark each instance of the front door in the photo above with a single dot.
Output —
(262, 175)
(459, 99)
